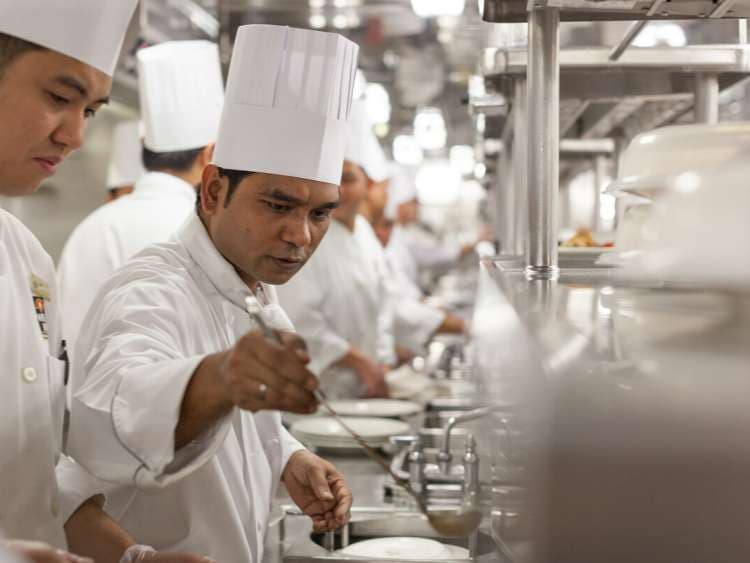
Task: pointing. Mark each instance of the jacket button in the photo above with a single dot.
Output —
(28, 375)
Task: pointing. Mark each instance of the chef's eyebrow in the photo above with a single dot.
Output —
(279, 195)
(75, 84)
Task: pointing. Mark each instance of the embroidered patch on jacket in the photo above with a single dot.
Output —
(40, 296)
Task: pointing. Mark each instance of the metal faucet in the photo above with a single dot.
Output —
(445, 456)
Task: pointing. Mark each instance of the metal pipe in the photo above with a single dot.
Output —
(505, 204)
(520, 165)
(630, 35)
(596, 214)
(543, 140)
(706, 98)
(620, 145)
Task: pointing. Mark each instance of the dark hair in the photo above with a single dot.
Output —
(177, 161)
(234, 178)
(13, 47)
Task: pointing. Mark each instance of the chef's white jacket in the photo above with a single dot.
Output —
(103, 241)
(414, 322)
(340, 298)
(148, 329)
(39, 488)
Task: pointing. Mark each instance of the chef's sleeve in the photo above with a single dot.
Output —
(416, 323)
(76, 486)
(303, 300)
(131, 371)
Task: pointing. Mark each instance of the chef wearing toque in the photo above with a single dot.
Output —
(176, 391)
(181, 95)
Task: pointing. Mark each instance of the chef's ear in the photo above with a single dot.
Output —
(210, 189)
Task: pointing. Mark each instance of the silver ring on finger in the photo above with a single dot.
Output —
(262, 391)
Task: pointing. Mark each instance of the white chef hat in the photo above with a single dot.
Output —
(401, 189)
(289, 95)
(91, 31)
(362, 145)
(182, 93)
(125, 164)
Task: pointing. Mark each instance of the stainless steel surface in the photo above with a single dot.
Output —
(543, 140)
(634, 406)
(599, 10)
(706, 105)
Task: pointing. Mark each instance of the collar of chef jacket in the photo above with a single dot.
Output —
(222, 274)
(162, 184)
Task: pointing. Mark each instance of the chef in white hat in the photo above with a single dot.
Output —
(415, 322)
(340, 303)
(56, 66)
(176, 392)
(125, 164)
(181, 95)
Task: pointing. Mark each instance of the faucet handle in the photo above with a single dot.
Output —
(404, 441)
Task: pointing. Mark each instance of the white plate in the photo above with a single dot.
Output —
(371, 429)
(375, 407)
(398, 548)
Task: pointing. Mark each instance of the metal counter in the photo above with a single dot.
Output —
(633, 413)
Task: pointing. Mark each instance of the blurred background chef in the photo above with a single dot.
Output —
(181, 94)
(415, 322)
(125, 164)
(340, 301)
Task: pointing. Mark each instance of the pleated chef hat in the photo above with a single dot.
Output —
(362, 145)
(125, 164)
(182, 93)
(289, 94)
(91, 31)
(401, 189)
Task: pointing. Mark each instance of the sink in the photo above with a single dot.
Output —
(299, 544)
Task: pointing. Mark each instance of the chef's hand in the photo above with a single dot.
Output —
(318, 489)
(262, 375)
(372, 375)
(40, 552)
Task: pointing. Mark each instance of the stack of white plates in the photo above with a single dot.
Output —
(390, 408)
(325, 432)
(405, 548)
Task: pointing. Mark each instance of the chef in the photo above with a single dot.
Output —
(176, 391)
(181, 94)
(340, 302)
(424, 250)
(415, 322)
(125, 164)
(56, 63)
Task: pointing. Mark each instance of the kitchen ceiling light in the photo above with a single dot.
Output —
(406, 150)
(437, 8)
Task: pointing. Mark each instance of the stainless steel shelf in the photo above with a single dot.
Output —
(645, 88)
(603, 10)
